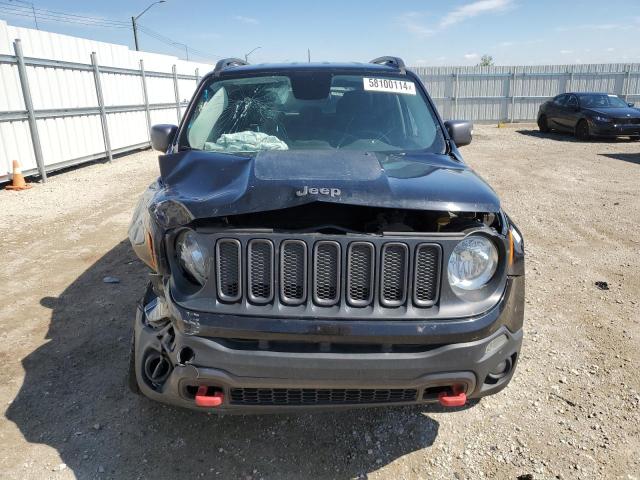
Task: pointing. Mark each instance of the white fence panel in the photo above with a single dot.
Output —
(63, 89)
(514, 93)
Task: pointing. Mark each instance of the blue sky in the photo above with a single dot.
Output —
(433, 32)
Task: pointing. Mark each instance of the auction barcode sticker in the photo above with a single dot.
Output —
(390, 85)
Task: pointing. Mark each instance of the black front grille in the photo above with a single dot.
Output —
(322, 272)
(626, 121)
(320, 396)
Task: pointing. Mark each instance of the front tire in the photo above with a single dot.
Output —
(582, 131)
(542, 124)
(132, 381)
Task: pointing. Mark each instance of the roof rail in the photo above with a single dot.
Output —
(226, 63)
(396, 62)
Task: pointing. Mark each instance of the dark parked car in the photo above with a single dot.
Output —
(317, 241)
(590, 115)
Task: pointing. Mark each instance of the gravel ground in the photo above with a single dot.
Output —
(572, 410)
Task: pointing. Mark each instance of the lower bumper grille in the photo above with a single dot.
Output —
(315, 396)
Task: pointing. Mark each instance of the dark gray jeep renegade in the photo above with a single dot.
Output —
(317, 241)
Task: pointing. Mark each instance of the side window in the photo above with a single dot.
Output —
(573, 101)
(561, 100)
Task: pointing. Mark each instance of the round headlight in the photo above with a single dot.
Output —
(191, 257)
(472, 263)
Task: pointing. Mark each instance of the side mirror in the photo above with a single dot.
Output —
(460, 131)
(631, 104)
(162, 136)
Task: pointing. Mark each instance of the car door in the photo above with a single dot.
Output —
(571, 113)
(555, 110)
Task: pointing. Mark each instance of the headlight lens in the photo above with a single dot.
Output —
(599, 118)
(191, 256)
(472, 263)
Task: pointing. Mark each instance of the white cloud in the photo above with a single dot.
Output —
(471, 56)
(566, 52)
(611, 49)
(414, 22)
(472, 10)
(243, 19)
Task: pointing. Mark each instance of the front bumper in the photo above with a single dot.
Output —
(613, 130)
(277, 356)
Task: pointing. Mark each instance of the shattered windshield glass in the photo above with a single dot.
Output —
(312, 110)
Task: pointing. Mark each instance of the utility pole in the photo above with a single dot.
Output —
(135, 19)
(308, 55)
(33, 10)
(135, 32)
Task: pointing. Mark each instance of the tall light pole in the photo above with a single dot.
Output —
(246, 55)
(135, 19)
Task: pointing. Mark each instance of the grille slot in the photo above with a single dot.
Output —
(426, 275)
(317, 396)
(260, 271)
(393, 288)
(326, 273)
(228, 270)
(293, 272)
(360, 272)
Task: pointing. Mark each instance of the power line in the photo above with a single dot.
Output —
(63, 17)
(13, 9)
(176, 44)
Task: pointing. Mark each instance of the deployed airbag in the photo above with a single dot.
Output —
(246, 141)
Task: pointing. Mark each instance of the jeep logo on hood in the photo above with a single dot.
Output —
(307, 190)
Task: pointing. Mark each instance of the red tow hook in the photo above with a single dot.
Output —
(203, 399)
(456, 399)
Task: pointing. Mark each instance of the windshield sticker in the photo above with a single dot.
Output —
(389, 85)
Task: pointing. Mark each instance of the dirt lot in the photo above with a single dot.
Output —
(572, 411)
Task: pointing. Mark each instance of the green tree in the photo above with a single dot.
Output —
(486, 61)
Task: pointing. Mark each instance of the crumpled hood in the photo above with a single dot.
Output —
(210, 184)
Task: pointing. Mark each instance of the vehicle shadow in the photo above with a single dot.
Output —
(568, 137)
(74, 399)
(625, 157)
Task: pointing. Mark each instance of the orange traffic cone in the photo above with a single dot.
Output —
(18, 179)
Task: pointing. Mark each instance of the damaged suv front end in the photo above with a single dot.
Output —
(317, 241)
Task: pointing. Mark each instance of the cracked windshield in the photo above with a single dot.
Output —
(313, 110)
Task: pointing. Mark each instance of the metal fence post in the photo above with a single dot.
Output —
(627, 84)
(175, 88)
(457, 90)
(28, 103)
(197, 76)
(570, 79)
(512, 91)
(103, 113)
(145, 96)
